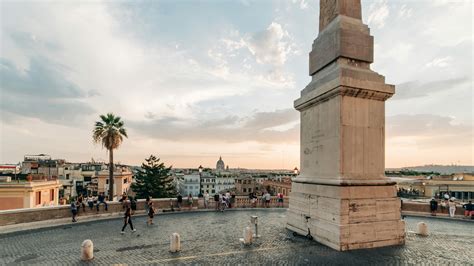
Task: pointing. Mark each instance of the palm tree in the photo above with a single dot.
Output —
(110, 133)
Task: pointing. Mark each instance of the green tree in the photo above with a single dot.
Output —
(154, 180)
(109, 132)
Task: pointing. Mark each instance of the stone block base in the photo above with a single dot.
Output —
(347, 217)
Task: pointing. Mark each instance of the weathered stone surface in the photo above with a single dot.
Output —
(330, 9)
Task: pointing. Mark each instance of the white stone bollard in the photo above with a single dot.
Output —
(254, 221)
(422, 229)
(248, 236)
(175, 242)
(87, 250)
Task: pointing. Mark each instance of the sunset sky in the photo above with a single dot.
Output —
(194, 80)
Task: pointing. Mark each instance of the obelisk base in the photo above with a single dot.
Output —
(347, 217)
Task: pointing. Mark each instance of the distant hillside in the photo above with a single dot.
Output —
(442, 169)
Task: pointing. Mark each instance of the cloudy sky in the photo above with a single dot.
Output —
(197, 79)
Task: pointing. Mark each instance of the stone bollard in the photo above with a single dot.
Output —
(422, 229)
(175, 242)
(87, 250)
(248, 236)
(254, 221)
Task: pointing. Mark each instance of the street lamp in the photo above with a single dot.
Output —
(200, 180)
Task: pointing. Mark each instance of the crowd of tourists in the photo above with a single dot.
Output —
(449, 204)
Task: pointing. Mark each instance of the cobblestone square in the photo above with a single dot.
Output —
(213, 238)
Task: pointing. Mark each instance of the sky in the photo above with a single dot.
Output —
(195, 80)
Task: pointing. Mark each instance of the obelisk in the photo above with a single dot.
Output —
(342, 197)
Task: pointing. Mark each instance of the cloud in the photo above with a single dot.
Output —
(415, 89)
(260, 127)
(42, 92)
(269, 46)
(440, 62)
(428, 131)
(378, 13)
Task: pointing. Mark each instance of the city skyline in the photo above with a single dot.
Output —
(189, 79)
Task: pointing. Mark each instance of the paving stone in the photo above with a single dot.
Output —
(213, 238)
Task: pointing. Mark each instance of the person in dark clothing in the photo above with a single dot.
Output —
(180, 201)
(73, 210)
(101, 200)
(468, 209)
(433, 206)
(151, 213)
(127, 219)
(216, 200)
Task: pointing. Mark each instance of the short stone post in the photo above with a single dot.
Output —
(254, 221)
(422, 229)
(175, 242)
(248, 236)
(87, 250)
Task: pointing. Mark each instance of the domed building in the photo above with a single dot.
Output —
(220, 165)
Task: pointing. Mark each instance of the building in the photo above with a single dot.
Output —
(225, 181)
(208, 183)
(122, 181)
(281, 185)
(246, 185)
(190, 185)
(220, 165)
(32, 194)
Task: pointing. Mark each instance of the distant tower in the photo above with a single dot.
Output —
(220, 165)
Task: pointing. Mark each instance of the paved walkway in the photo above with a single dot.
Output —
(212, 238)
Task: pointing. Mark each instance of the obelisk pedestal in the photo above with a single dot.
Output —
(342, 197)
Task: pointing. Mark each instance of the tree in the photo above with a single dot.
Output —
(154, 180)
(109, 132)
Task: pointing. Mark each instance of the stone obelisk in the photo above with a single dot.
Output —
(342, 197)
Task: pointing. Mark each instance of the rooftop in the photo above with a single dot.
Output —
(213, 238)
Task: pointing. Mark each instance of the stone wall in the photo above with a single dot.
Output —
(18, 216)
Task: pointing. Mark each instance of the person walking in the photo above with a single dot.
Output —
(73, 210)
(147, 203)
(127, 219)
(151, 213)
(433, 206)
(452, 207)
(180, 201)
(280, 200)
(206, 200)
(232, 200)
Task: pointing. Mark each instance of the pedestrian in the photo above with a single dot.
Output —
(216, 200)
(206, 200)
(73, 210)
(468, 210)
(232, 199)
(268, 197)
(452, 207)
(127, 219)
(190, 201)
(223, 203)
(254, 200)
(101, 200)
(147, 203)
(433, 206)
(280, 200)
(151, 213)
(80, 201)
(171, 205)
(180, 201)
(90, 202)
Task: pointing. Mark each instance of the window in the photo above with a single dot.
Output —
(67, 176)
(125, 180)
(51, 194)
(213, 191)
(38, 197)
(107, 181)
(250, 190)
(245, 190)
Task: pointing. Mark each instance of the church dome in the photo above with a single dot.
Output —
(220, 166)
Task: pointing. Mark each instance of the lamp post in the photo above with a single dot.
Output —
(200, 180)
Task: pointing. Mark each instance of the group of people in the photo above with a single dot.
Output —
(450, 203)
(80, 202)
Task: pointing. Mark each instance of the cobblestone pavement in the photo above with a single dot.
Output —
(213, 238)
